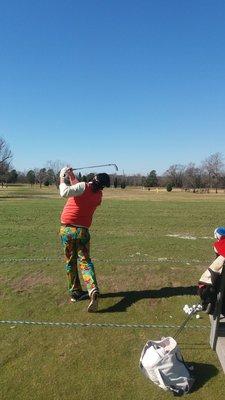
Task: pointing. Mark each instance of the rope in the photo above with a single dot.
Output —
(131, 259)
(28, 259)
(96, 325)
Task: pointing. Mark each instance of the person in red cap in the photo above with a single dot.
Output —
(76, 219)
(209, 282)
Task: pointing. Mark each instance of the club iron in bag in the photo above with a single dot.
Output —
(190, 315)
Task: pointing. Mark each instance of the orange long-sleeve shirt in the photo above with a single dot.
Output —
(79, 210)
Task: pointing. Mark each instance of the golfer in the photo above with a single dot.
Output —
(76, 218)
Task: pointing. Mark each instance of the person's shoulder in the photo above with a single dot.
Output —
(220, 247)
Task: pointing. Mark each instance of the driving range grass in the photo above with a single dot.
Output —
(145, 273)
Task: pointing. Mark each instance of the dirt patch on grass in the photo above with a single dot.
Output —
(161, 281)
(153, 303)
(27, 282)
(2, 279)
(133, 280)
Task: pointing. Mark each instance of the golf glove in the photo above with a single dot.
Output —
(64, 171)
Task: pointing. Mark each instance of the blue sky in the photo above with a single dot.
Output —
(140, 83)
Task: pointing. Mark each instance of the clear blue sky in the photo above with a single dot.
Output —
(140, 83)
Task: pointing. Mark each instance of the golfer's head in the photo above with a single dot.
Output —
(100, 181)
(219, 232)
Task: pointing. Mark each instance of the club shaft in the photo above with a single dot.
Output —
(96, 166)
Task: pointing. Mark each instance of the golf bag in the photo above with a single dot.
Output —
(162, 363)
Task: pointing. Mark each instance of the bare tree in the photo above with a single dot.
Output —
(192, 177)
(175, 174)
(40, 176)
(54, 168)
(5, 152)
(5, 159)
(214, 165)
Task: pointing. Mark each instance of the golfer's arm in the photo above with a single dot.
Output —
(73, 180)
(73, 190)
(216, 266)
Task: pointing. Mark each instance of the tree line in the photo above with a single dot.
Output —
(209, 174)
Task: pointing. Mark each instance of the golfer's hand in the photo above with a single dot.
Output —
(65, 171)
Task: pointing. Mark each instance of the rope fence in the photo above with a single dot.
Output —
(98, 325)
(131, 259)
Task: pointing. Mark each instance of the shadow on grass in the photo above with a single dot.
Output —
(129, 298)
(202, 374)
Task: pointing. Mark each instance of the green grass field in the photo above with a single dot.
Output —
(149, 251)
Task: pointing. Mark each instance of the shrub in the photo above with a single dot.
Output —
(169, 187)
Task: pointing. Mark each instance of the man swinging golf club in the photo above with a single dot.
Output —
(76, 218)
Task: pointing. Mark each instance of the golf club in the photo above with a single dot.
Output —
(96, 166)
(182, 326)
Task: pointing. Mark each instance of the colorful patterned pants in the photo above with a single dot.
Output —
(76, 244)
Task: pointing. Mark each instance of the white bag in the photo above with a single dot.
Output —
(162, 362)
